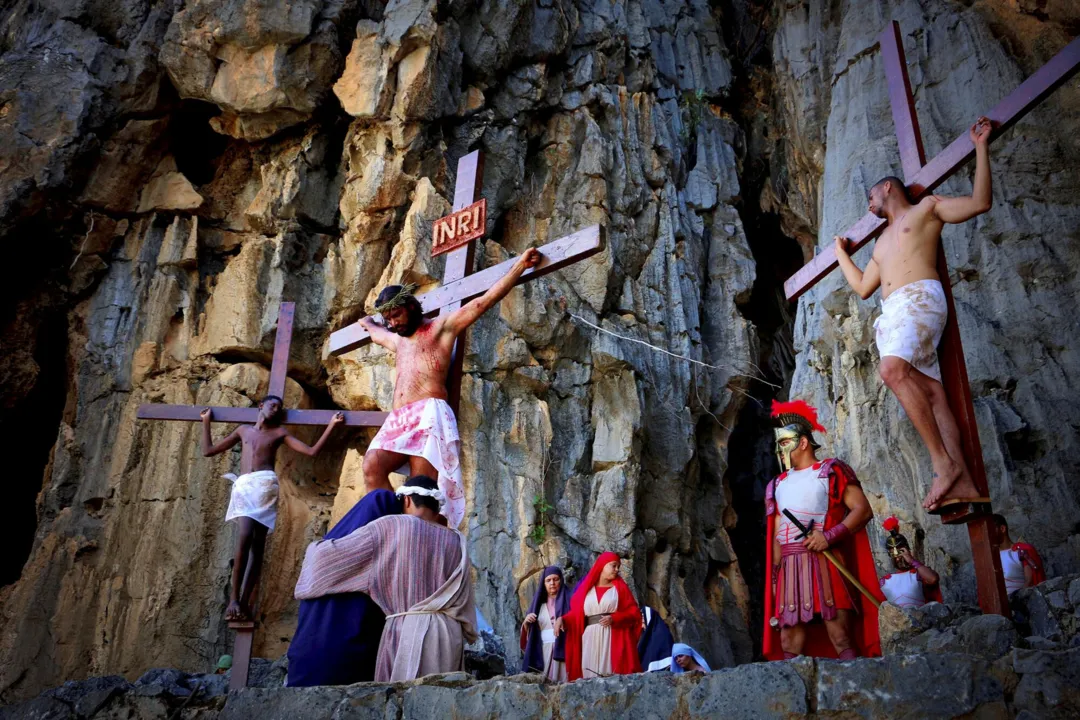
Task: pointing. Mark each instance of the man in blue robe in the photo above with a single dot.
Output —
(337, 636)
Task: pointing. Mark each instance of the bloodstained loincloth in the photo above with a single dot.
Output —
(911, 323)
(428, 429)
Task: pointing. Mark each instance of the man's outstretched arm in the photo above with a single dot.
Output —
(962, 209)
(209, 449)
(379, 334)
(312, 450)
(457, 321)
(864, 282)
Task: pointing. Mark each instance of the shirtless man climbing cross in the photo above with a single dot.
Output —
(913, 310)
(422, 429)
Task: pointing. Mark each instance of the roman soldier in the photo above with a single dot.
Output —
(913, 584)
(1020, 561)
(809, 607)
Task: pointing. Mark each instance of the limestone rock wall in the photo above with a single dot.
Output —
(191, 165)
(1013, 270)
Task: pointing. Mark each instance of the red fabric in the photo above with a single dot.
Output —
(625, 624)
(1030, 557)
(601, 591)
(854, 553)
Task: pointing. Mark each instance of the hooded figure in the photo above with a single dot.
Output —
(682, 649)
(596, 647)
(655, 643)
(544, 649)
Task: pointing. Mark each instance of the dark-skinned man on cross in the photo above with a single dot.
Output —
(422, 429)
(253, 503)
(914, 310)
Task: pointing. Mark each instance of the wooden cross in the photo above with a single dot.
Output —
(460, 284)
(922, 178)
(245, 629)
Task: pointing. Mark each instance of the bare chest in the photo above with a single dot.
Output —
(422, 354)
(260, 443)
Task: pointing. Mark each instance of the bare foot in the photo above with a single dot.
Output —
(235, 611)
(944, 478)
(962, 489)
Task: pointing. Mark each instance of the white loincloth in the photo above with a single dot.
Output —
(254, 495)
(911, 323)
(428, 429)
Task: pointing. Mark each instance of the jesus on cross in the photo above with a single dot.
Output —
(914, 309)
(422, 428)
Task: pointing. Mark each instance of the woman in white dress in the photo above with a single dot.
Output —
(544, 648)
(603, 624)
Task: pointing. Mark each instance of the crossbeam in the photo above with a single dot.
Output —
(1005, 114)
(190, 413)
(555, 256)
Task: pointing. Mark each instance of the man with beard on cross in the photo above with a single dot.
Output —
(422, 428)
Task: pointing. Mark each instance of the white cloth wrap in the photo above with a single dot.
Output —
(254, 495)
(911, 324)
(428, 429)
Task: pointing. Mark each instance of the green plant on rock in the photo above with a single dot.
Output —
(692, 105)
(539, 531)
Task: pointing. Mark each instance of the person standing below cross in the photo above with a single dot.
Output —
(422, 428)
(254, 497)
(914, 310)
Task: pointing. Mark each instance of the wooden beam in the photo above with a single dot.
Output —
(279, 366)
(908, 137)
(1005, 114)
(557, 255)
(190, 413)
(460, 263)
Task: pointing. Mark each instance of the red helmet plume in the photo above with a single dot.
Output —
(798, 407)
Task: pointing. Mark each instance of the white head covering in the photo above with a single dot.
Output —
(408, 489)
(681, 649)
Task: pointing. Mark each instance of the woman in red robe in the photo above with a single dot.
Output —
(603, 624)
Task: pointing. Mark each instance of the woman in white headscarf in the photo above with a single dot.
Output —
(686, 659)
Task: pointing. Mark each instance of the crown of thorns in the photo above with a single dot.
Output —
(399, 298)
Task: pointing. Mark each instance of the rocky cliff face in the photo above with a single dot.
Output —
(195, 164)
(1013, 270)
(171, 171)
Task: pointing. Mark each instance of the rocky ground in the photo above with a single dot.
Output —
(172, 170)
(941, 661)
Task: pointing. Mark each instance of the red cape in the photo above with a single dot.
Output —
(625, 624)
(853, 552)
(1030, 557)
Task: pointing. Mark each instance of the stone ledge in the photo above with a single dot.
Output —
(1029, 682)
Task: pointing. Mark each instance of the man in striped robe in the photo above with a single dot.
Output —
(416, 570)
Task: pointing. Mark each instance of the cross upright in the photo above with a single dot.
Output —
(921, 178)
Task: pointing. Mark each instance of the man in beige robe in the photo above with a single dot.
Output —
(413, 568)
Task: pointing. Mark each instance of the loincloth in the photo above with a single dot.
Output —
(911, 323)
(428, 429)
(254, 495)
(808, 586)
